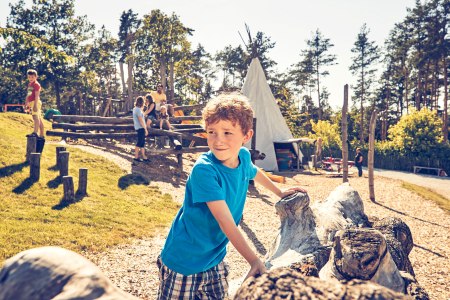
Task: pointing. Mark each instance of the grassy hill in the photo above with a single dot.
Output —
(118, 207)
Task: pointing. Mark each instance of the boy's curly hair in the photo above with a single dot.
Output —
(139, 101)
(230, 107)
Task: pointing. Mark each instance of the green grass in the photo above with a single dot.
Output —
(428, 194)
(118, 207)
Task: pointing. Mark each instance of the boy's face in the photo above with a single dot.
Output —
(31, 78)
(225, 139)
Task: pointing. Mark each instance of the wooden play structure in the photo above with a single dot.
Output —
(182, 137)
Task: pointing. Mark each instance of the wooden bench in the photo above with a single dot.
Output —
(418, 168)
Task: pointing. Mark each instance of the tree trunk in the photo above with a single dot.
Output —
(361, 132)
(130, 84)
(345, 136)
(58, 95)
(172, 82)
(162, 72)
(445, 125)
(371, 154)
(122, 78)
(318, 92)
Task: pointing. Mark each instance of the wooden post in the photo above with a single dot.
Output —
(314, 161)
(63, 163)
(180, 161)
(31, 146)
(82, 182)
(373, 119)
(58, 150)
(344, 136)
(69, 194)
(35, 166)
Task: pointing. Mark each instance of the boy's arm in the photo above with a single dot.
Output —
(265, 181)
(223, 216)
(141, 121)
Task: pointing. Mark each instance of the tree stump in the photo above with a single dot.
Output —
(69, 194)
(58, 150)
(31, 146)
(55, 273)
(63, 163)
(35, 166)
(82, 182)
(284, 283)
(362, 253)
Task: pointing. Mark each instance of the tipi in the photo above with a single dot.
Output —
(270, 124)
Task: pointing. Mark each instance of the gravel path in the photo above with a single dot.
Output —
(133, 267)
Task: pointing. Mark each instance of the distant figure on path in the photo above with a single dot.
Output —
(358, 161)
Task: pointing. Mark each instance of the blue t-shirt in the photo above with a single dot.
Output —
(137, 112)
(195, 242)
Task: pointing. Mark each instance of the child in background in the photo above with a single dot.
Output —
(141, 129)
(191, 263)
(164, 118)
(150, 110)
(34, 102)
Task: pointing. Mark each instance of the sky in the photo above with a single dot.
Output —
(289, 24)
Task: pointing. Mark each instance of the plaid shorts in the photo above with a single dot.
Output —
(210, 284)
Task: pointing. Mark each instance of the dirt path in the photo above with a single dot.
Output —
(133, 267)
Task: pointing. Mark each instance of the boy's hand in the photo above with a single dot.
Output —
(257, 267)
(292, 190)
(146, 132)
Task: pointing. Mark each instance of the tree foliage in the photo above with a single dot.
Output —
(329, 132)
(418, 132)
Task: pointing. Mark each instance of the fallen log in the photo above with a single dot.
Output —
(306, 233)
(190, 130)
(89, 127)
(91, 119)
(362, 253)
(285, 283)
(55, 273)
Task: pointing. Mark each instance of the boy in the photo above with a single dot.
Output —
(34, 102)
(191, 263)
(141, 129)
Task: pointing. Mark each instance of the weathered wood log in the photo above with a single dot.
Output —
(89, 127)
(284, 283)
(58, 151)
(399, 240)
(176, 144)
(362, 253)
(113, 135)
(190, 130)
(174, 152)
(82, 182)
(92, 119)
(185, 126)
(306, 232)
(31, 146)
(63, 163)
(55, 273)
(344, 130)
(69, 192)
(35, 166)
(180, 162)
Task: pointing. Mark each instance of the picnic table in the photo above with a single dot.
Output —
(329, 162)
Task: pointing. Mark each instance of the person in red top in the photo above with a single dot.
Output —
(33, 101)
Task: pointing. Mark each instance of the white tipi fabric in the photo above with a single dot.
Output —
(270, 124)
